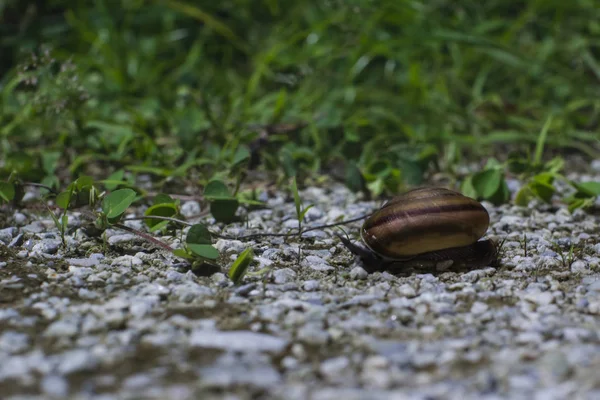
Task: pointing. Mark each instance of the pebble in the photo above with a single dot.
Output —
(358, 273)
(283, 275)
(237, 341)
(190, 208)
(54, 386)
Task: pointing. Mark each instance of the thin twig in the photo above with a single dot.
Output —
(251, 236)
(40, 185)
(145, 236)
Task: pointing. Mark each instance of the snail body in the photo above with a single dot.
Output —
(426, 226)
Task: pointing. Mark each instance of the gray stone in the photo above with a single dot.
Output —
(46, 246)
(127, 261)
(20, 219)
(54, 386)
(13, 342)
(237, 341)
(87, 294)
(311, 285)
(77, 360)
(122, 238)
(65, 327)
(336, 370)
(190, 208)
(175, 276)
(284, 275)
(358, 273)
(7, 234)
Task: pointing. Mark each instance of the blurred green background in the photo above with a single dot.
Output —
(390, 88)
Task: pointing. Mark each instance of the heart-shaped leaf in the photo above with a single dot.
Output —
(487, 182)
(204, 250)
(198, 234)
(216, 190)
(224, 210)
(115, 203)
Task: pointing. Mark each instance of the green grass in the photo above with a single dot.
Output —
(391, 87)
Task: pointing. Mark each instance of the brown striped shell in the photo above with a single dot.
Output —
(422, 221)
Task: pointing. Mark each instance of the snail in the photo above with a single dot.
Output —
(426, 227)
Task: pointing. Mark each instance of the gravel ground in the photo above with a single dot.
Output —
(123, 320)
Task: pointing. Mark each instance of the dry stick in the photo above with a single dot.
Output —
(145, 236)
(254, 235)
(40, 185)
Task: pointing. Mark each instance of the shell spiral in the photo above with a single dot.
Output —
(424, 220)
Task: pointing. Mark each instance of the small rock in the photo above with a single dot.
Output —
(91, 261)
(87, 294)
(126, 261)
(20, 219)
(13, 342)
(313, 334)
(579, 266)
(230, 246)
(283, 275)
(76, 361)
(175, 276)
(335, 369)
(244, 290)
(122, 238)
(46, 246)
(407, 290)
(311, 285)
(138, 381)
(54, 386)
(62, 328)
(479, 308)
(80, 272)
(358, 273)
(540, 298)
(190, 208)
(237, 341)
(6, 234)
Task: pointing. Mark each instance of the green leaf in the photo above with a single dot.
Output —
(542, 190)
(63, 199)
(467, 188)
(198, 234)
(50, 161)
(541, 141)
(159, 210)
(160, 225)
(162, 198)
(591, 188)
(7, 191)
(240, 265)
(114, 179)
(64, 221)
(288, 163)
(303, 213)
(204, 250)
(354, 178)
(242, 153)
(524, 196)
(182, 253)
(117, 202)
(84, 182)
(224, 210)
(580, 203)
(216, 190)
(296, 197)
(487, 182)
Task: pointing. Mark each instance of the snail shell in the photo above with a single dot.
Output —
(425, 221)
